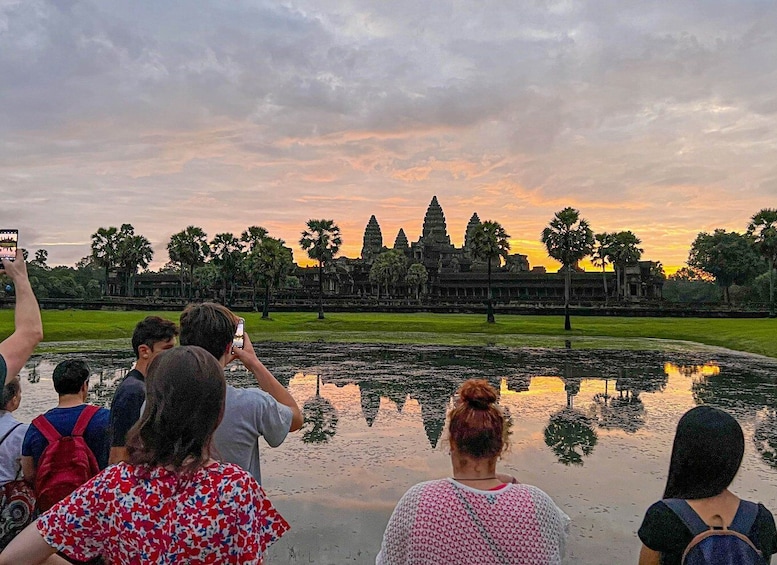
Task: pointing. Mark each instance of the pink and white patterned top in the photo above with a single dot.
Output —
(139, 514)
(445, 521)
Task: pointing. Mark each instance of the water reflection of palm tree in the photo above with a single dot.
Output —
(320, 424)
(567, 431)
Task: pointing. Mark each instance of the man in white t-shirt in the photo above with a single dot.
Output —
(268, 411)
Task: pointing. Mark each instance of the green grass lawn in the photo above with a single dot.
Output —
(108, 329)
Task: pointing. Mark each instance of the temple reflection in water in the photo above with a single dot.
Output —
(587, 395)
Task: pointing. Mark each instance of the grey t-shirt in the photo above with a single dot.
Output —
(248, 414)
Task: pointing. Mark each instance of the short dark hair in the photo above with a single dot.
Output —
(151, 330)
(706, 455)
(70, 375)
(185, 391)
(476, 424)
(208, 325)
(10, 390)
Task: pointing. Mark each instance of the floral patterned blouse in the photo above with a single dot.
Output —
(140, 514)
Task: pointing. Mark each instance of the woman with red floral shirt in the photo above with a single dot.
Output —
(171, 503)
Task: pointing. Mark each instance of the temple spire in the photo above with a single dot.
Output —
(435, 230)
(373, 240)
(401, 243)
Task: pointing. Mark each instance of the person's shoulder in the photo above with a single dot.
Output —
(247, 396)
(132, 382)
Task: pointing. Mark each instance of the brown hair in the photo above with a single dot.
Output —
(185, 391)
(208, 325)
(151, 330)
(10, 390)
(477, 426)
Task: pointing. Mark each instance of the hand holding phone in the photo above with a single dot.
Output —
(9, 241)
(237, 341)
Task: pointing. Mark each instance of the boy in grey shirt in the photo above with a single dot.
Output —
(249, 413)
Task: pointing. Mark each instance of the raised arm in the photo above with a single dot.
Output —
(267, 382)
(28, 327)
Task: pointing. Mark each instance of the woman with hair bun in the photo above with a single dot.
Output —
(477, 515)
(706, 455)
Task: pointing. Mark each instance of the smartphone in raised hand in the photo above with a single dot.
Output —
(237, 341)
(9, 241)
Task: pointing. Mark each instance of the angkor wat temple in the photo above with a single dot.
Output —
(455, 275)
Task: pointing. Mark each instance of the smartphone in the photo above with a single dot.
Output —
(237, 341)
(9, 240)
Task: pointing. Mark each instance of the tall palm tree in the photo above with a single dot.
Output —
(227, 255)
(416, 277)
(253, 237)
(191, 248)
(104, 242)
(490, 243)
(322, 241)
(269, 262)
(132, 252)
(568, 239)
(601, 256)
(763, 230)
(623, 251)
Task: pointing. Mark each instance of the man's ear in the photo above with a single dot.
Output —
(144, 352)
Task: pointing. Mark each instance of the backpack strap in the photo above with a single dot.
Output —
(745, 517)
(44, 427)
(83, 419)
(687, 514)
(9, 432)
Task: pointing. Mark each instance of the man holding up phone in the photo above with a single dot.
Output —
(268, 411)
(28, 327)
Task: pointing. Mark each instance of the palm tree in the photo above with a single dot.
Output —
(568, 239)
(322, 241)
(253, 237)
(227, 255)
(763, 230)
(388, 269)
(270, 261)
(490, 243)
(623, 251)
(416, 277)
(601, 257)
(104, 242)
(132, 252)
(189, 248)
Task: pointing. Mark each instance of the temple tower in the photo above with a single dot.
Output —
(373, 240)
(435, 230)
(401, 243)
(473, 223)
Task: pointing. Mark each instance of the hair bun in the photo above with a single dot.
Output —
(478, 394)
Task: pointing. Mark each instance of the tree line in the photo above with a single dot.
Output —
(264, 262)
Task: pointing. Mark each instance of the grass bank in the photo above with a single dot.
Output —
(105, 329)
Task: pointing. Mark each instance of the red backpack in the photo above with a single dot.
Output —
(66, 463)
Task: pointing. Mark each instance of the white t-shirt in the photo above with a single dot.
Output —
(11, 448)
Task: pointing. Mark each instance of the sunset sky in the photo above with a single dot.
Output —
(658, 117)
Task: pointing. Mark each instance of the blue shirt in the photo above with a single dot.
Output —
(125, 407)
(97, 435)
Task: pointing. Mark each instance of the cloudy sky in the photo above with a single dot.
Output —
(659, 117)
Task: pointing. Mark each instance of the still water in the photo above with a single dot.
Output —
(593, 428)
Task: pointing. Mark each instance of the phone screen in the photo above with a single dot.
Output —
(237, 341)
(9, 240)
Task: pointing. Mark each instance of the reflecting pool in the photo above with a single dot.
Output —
(593, 428)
